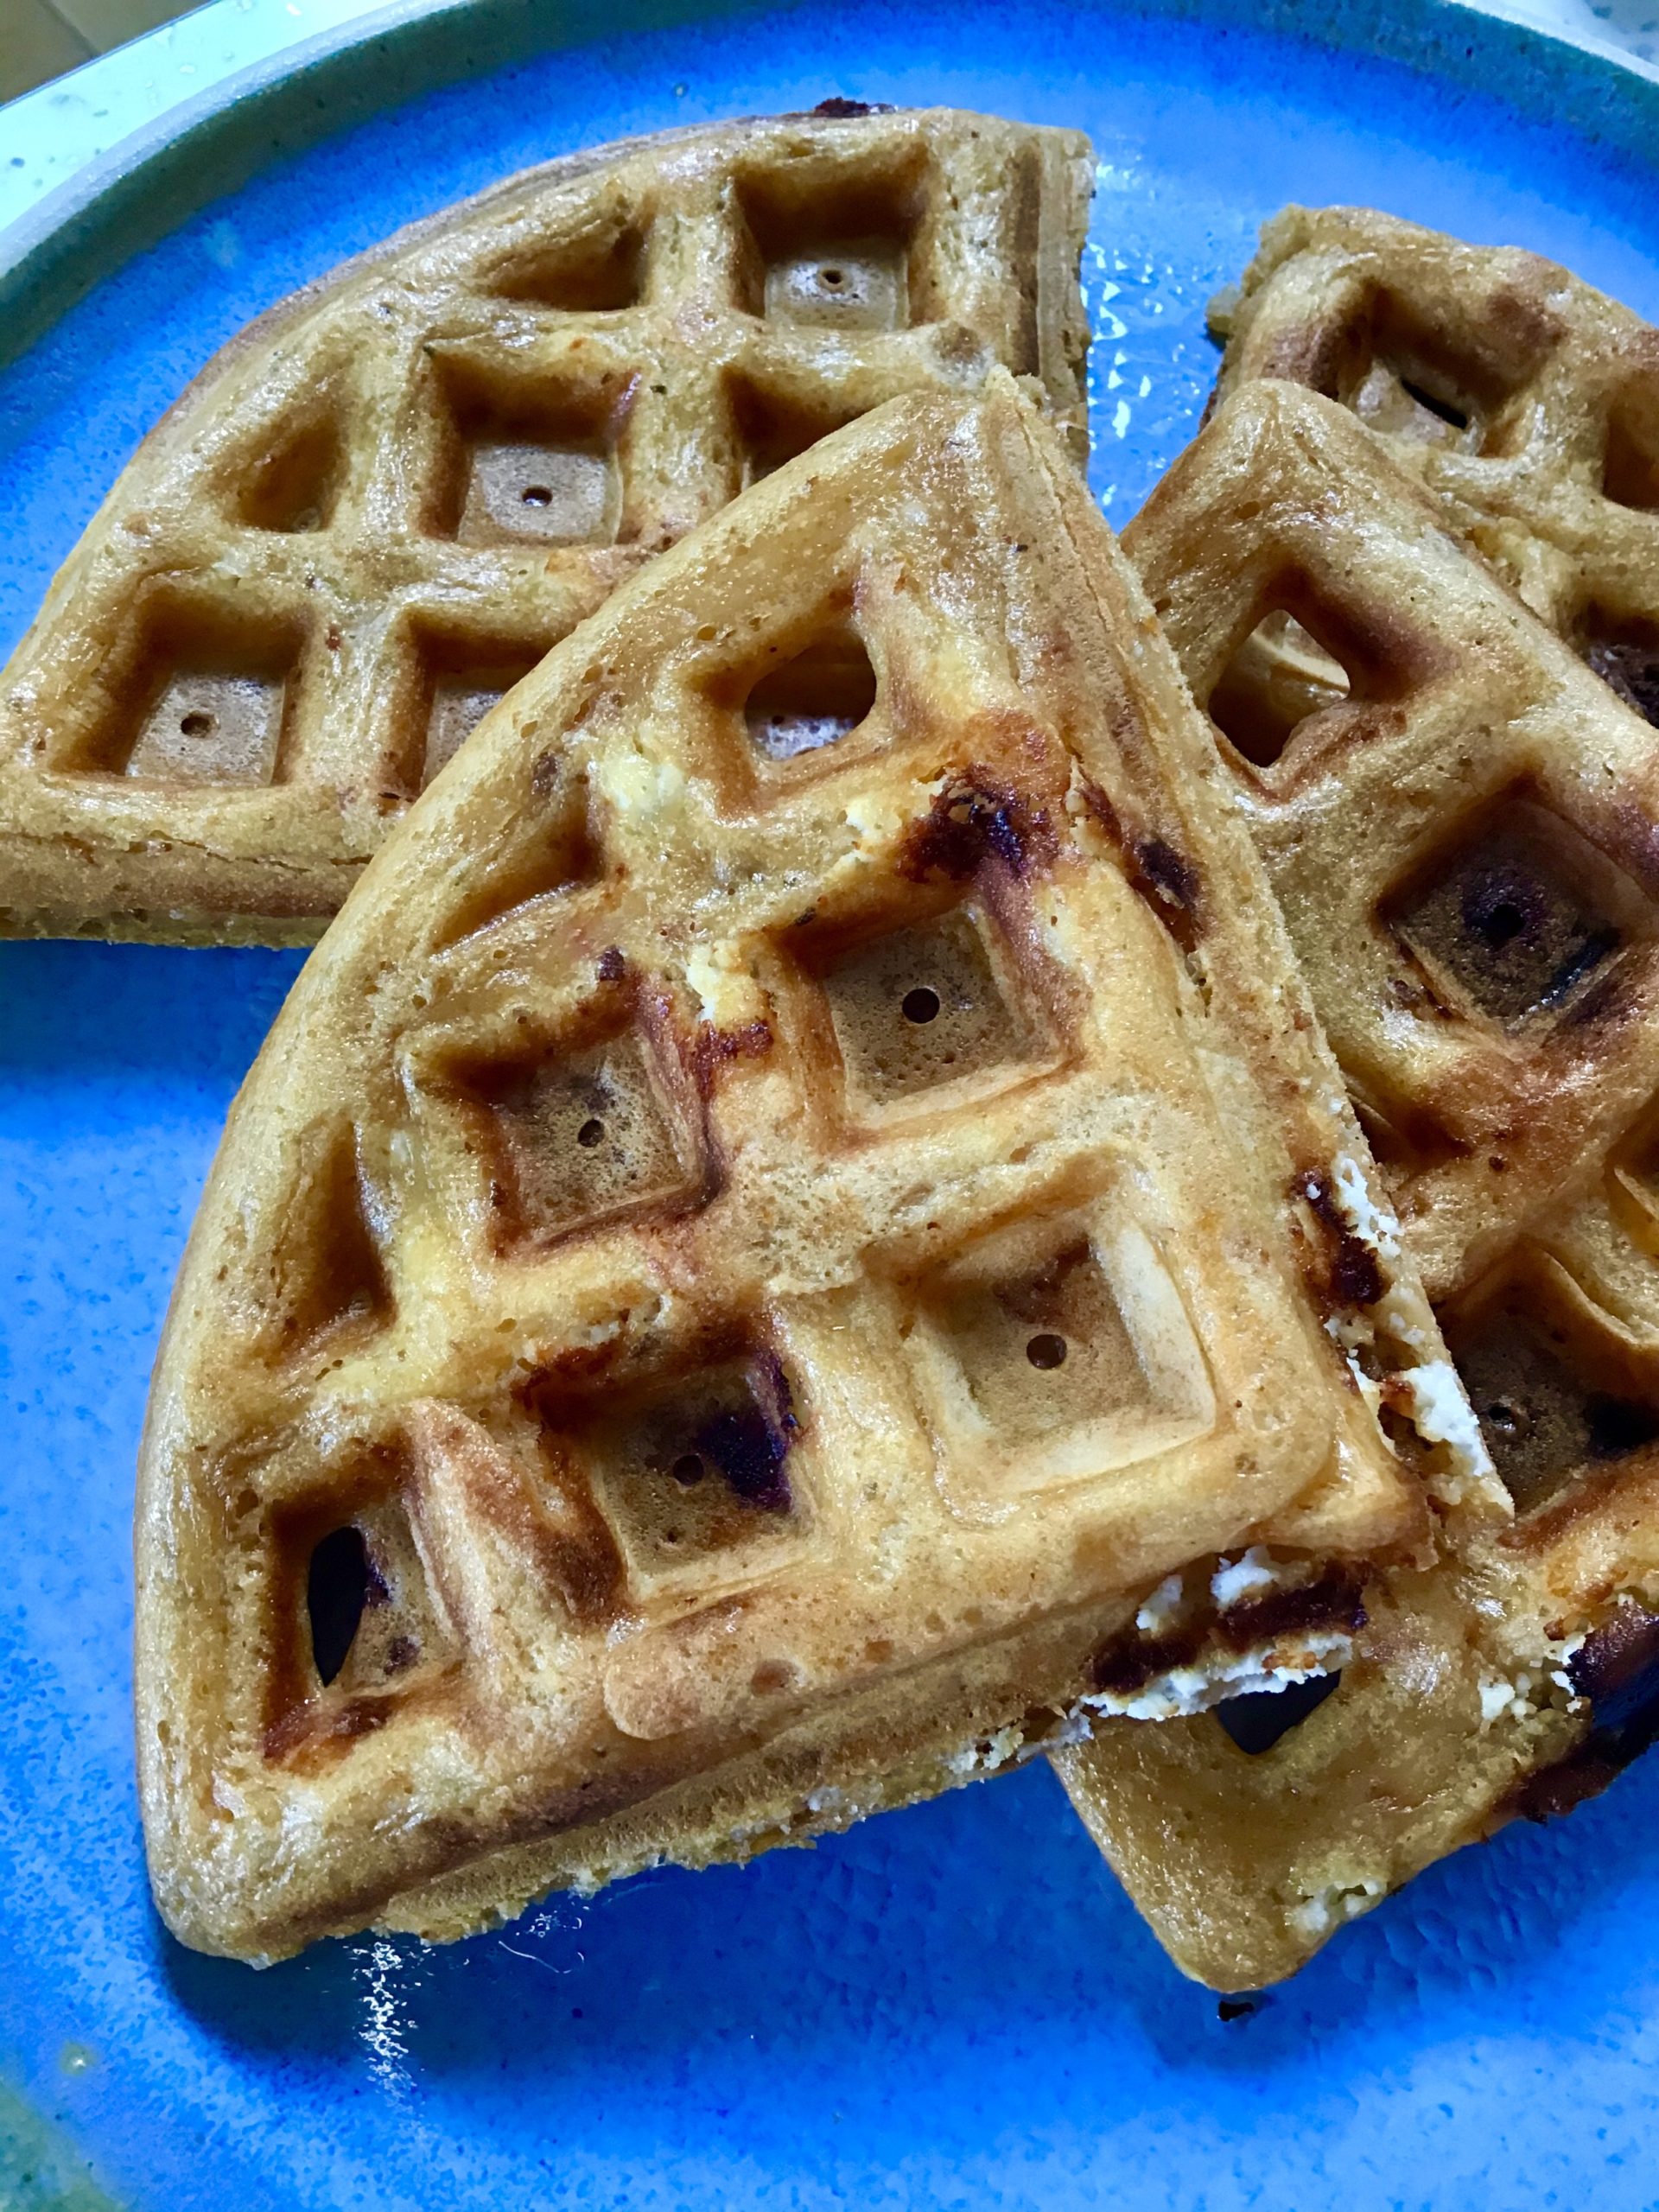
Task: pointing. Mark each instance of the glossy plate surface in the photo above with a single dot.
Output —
(953, 2006)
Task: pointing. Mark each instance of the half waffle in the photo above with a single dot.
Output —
(380, 506)
(1462, 825)
(778, 1251)
(1525, 401)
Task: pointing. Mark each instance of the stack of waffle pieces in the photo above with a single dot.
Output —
(919, 1138)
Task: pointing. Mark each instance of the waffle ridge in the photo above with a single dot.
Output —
(377, 508)
(1459, 819)
(761, 1238)
(1525, 401)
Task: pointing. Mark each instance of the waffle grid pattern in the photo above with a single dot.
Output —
(380, 506)
(806, 1278)
(1518, 395)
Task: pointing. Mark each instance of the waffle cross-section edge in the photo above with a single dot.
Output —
(1461, 823)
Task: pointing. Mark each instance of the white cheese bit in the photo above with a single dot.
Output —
(1494, 1699)
(1234, 1579)
(873, 822)
(1158, 1611)
(1442, 1413)
(985, 1757)
(1195, 1689)
(728, 993)
(1498, 1697)
(637, 786)
(1373, 1225)
(1566, 1653)
(1342, 1901)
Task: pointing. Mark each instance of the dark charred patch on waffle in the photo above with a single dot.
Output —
(1170, 886)
(1345, 1271)
(694, 1466)
(1126, 1663)
(715, 1049)
(1336, 1601)
(749, 1445)
(1616, 1668)
(1165, 878)
(1130, 1662)
(973, 820)
(839, 110)
(1522, 920)
(1556, 1416)
(1631, 669)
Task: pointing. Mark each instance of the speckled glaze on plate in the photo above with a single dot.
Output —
(954, 2007)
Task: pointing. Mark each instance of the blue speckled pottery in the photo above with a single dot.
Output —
(952, 2007)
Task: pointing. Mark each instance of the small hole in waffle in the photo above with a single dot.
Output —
(1053, 1351)
(1557, 1396)
(832, 250)
(923, 1007)
(1261, 1719)
(198, 693)
(856, 284)
(1408, 379)
(231, 724)
(699, 1466)
(576, 504)
(1280, 677)
(573, 1138)
(817, 698)
(528, 464)
(1517, 918)
(1403, 406)
(355, 1625)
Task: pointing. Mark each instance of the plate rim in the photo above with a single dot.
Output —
(125, 199)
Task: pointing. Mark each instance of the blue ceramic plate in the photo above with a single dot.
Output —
(953, 2006)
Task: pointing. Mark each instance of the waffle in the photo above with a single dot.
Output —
(1523, 400)
(1461, 823)
(378, 507)
(779, 1255)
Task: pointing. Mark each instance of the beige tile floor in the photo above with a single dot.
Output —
(40, 39)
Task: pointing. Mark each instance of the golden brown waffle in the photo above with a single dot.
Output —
(380, 506)
(1525, 401)
(797, 1200)
(1462, 825)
